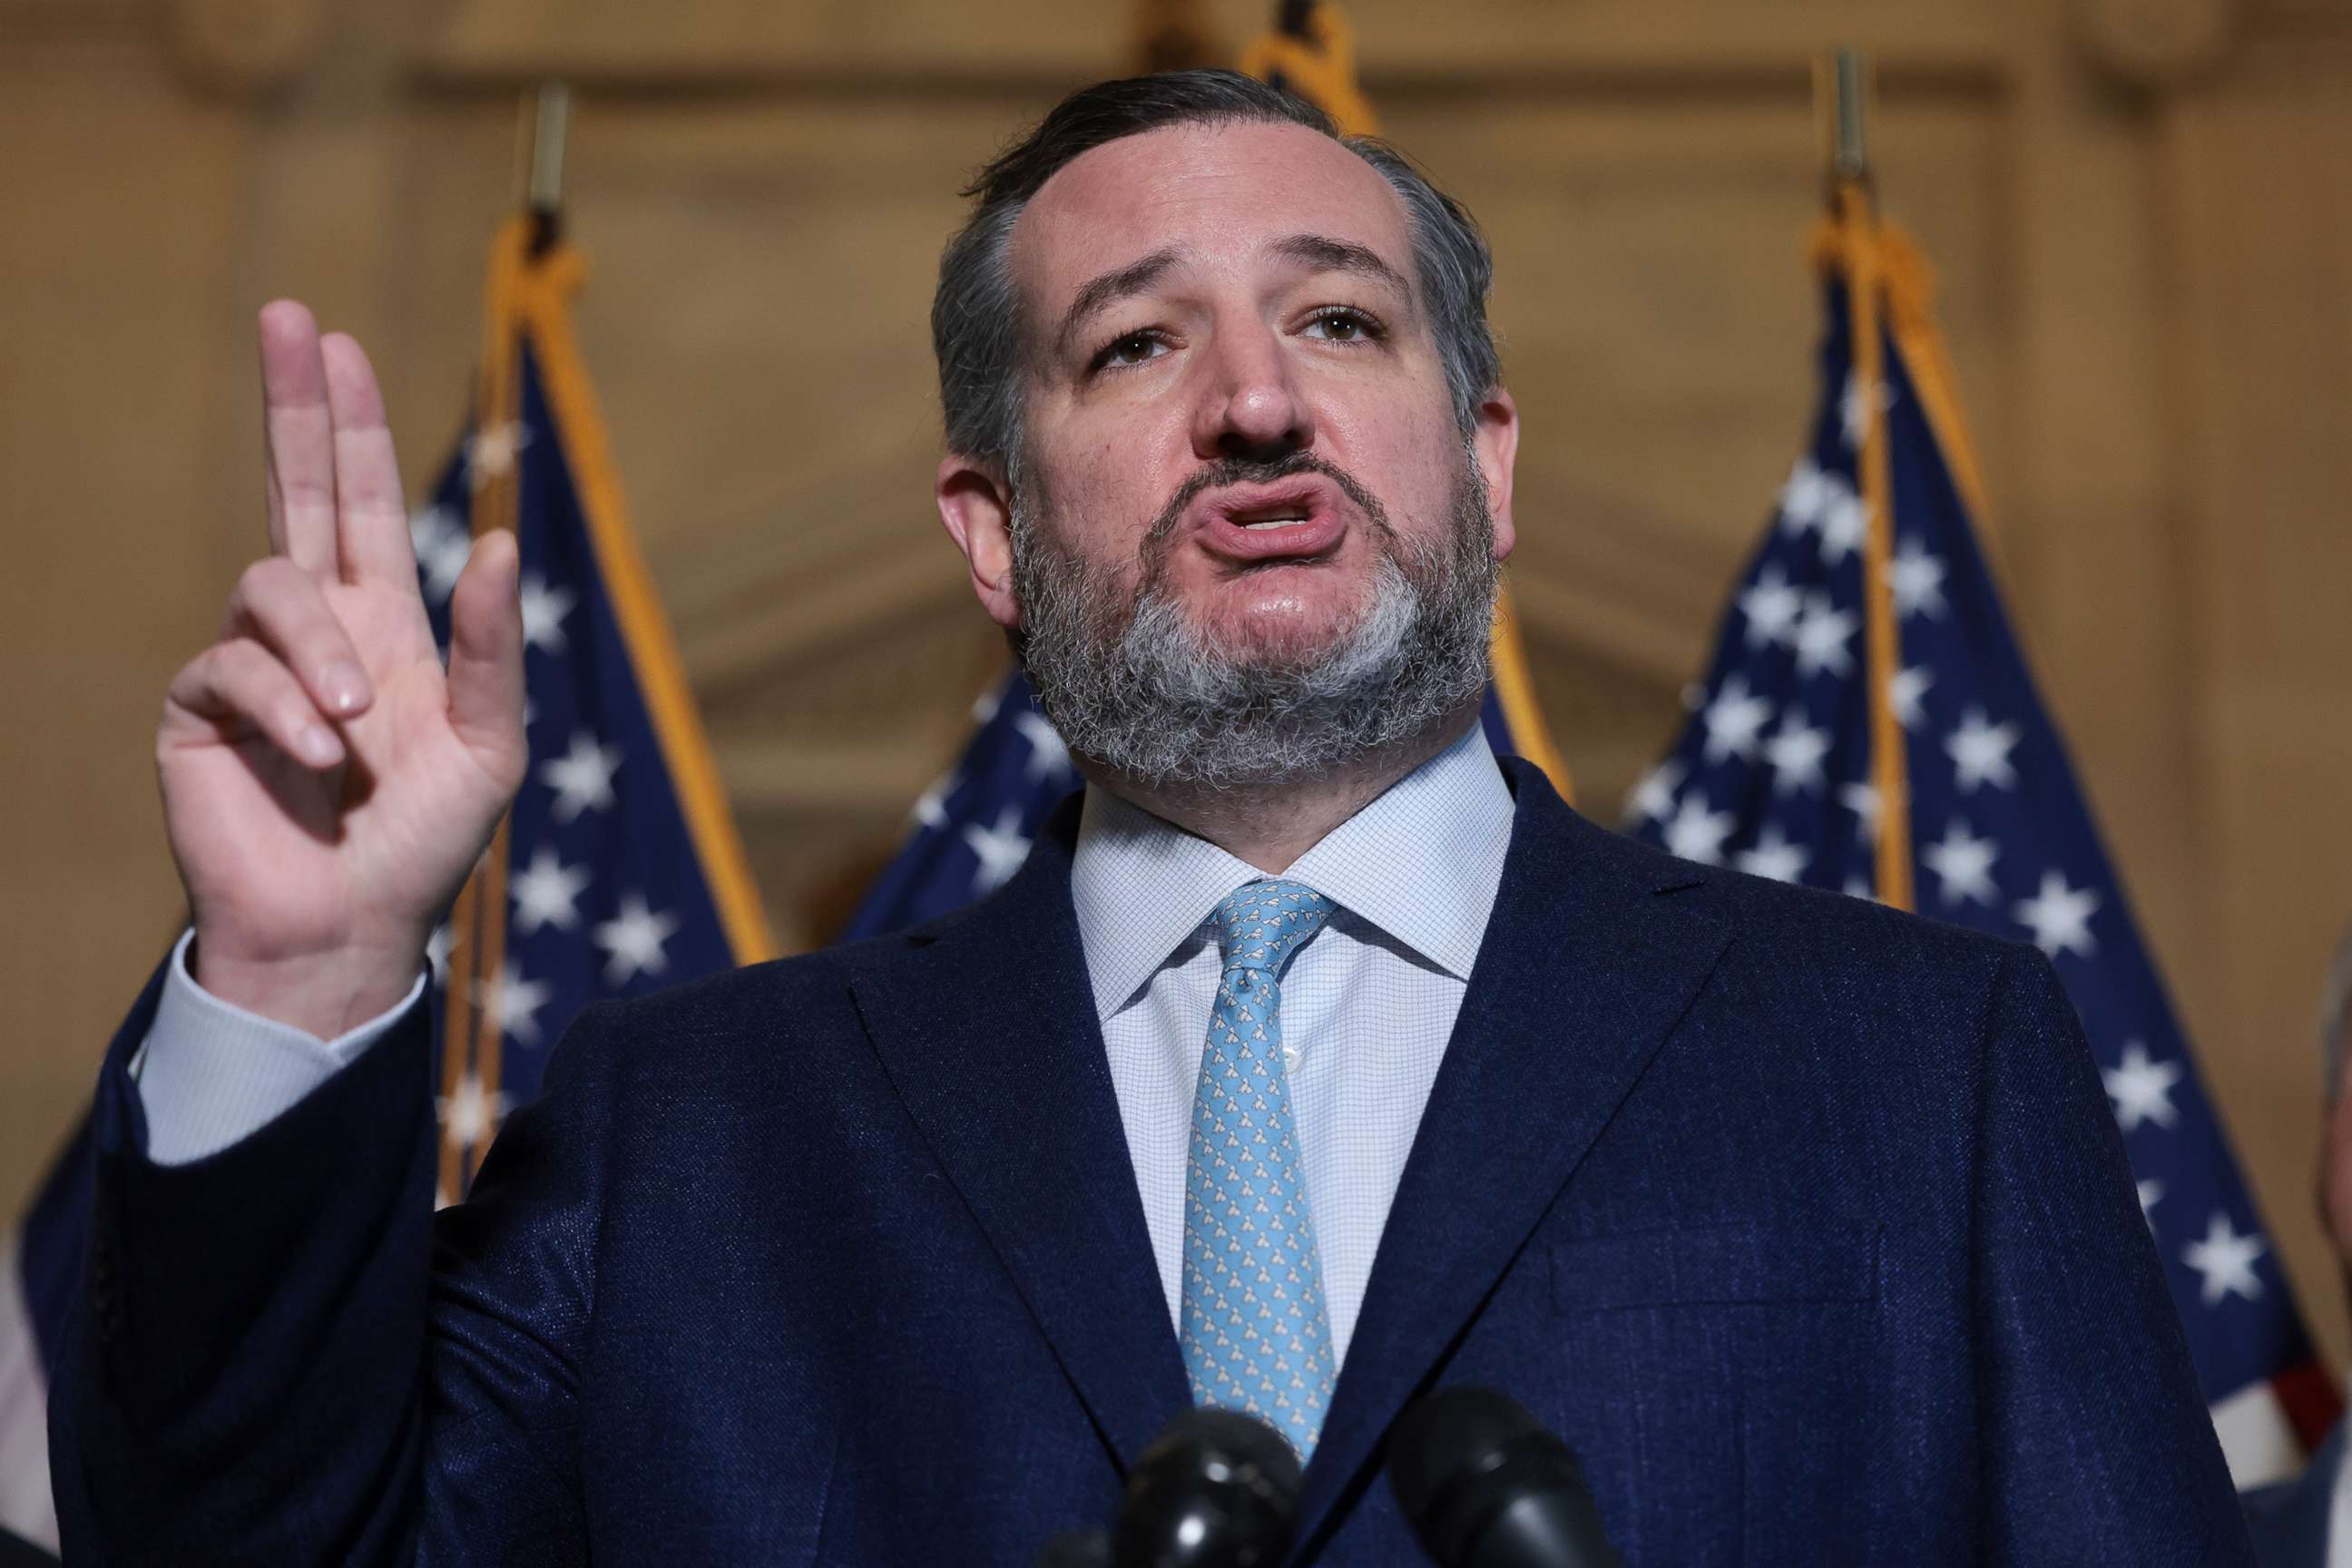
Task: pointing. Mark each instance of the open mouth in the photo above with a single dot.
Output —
(1257, 524)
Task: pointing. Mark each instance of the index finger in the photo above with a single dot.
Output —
(297, 439)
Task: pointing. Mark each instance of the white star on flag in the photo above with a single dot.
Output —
(1775, 857)
(2226, 1259)
(513, 1002)
(1796, 754)
(1964, 863)
(1654, 798)
(1807, 491)
(931, 805)
(632, 940)
(2142, 1089)
(1772, 607)
(442, 547)
(1905, 692)
(543, 609)
(1001, 848)
(545, 892)
(491, 453)
(1845, 522)
(1854, 407)
(1862, 799)
(2060, 917)
(582, 777)
(1916, 581)
(1980, 752)
(1733, 719)
(1048, 754)
(1821, 637)
(469, 1115)
(2150, 1194)
(1697, 833)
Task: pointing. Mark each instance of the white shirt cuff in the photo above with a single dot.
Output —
(211, 1074)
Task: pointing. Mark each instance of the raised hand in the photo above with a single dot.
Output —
(326, 785)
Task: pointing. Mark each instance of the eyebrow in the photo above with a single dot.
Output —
(1323, 254)
(1317, 252)
(1109, 290)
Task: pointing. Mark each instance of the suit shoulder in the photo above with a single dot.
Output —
(797, 997)
(1828, 932)
(761, 987)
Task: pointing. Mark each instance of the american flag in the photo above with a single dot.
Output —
(1772, 775)
(623, 873)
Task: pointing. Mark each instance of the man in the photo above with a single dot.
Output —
(1312, 1062)
(2307, 1522)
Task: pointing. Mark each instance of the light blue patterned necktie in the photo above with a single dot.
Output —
(1256, 1336)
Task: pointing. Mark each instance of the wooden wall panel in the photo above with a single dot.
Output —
(2265, 256)
(114, 250)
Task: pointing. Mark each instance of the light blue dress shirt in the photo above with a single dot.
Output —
(1368, 1004)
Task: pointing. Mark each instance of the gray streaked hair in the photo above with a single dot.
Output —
(976, 314)
(2335, 1017)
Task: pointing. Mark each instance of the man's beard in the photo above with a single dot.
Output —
(1131, 683)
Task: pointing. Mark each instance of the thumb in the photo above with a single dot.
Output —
(486, 692)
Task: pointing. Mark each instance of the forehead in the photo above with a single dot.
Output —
(1220, 192)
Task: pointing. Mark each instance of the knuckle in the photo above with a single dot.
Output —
(244, 665)
(255, 580)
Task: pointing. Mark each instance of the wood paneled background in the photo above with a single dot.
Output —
(2137, 208)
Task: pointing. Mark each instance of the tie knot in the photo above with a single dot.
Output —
(1261, 924)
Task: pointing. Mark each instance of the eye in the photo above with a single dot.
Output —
(1344, 324)
(1124, 353)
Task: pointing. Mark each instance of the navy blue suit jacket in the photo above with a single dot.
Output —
(1804, 1221)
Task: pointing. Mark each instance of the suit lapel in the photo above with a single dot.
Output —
(989, 1035)
(1584, 970)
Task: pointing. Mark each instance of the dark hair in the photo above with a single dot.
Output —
(976, 322)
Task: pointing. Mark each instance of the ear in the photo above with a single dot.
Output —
(1494, 440)
(976, 510)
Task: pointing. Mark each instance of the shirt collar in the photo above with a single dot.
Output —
(1422, 862)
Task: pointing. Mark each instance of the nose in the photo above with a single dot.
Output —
(1250, 407)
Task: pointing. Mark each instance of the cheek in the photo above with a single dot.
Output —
(1404, 459)
(1107, 486)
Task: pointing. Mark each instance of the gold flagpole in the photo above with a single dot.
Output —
(1847, 106)
(472, 1035)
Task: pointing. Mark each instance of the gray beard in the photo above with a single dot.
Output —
(1132, 685)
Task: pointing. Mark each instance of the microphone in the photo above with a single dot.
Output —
(1215, 1490)
(1485, 1485)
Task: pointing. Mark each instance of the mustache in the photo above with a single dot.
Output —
(1227, 471)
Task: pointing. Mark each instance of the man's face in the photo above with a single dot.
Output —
(1205, 305)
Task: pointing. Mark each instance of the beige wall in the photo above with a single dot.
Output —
(2136, 209)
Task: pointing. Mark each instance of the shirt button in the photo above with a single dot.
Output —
(1290, 1058)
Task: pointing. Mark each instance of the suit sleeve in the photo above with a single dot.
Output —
(283, 1355)
(2096, 1444)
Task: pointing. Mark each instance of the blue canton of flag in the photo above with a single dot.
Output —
(974, 827)
(605, 894)
(1772, 776)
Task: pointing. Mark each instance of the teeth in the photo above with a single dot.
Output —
(1275, 522)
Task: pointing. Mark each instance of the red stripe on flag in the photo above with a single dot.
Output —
(2312, 1400)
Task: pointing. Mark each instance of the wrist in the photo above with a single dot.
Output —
(325, 994)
